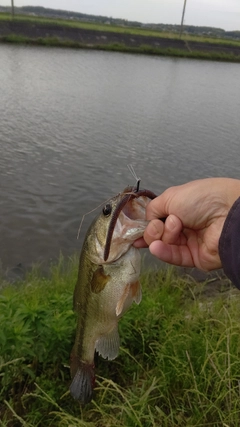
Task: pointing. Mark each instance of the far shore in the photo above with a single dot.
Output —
(53, 34)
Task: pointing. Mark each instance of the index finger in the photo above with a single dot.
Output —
(157, 208)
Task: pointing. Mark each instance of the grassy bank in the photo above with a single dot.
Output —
(118, 47)
(116, 29)
(179, 362)
(57, 32)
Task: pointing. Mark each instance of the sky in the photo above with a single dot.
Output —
(213, 13)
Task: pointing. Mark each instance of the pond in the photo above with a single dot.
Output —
(72, 120)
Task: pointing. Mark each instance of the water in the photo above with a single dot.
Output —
(71, 121)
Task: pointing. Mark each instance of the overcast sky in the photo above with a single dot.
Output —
(215, 13)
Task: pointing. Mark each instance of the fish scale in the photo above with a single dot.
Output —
(106, 288)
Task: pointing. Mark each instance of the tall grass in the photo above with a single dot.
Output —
(178, 365)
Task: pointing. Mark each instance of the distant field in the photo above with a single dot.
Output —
(118, 29)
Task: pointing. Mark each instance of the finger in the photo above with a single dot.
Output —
(140, 243)
(153, 231)
(172, 254)
(172, 229)
(158, 207)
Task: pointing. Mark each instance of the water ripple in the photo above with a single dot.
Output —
(71, 121)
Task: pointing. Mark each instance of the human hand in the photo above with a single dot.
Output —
(195, 213)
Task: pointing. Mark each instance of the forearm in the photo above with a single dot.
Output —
(229, 244)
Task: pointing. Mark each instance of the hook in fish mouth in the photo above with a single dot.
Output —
(130, 193)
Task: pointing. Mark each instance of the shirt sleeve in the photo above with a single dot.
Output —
(229, 244)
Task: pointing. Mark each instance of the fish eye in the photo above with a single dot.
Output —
(107, 210)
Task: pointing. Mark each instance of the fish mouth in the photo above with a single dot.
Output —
(129, 195)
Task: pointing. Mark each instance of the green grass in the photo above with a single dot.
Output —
(179, 363)
(117, 29)
(117, 47)
(87, 25)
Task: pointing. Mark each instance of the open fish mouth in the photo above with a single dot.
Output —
(131, 210)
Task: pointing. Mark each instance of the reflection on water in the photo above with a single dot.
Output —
(71, 121)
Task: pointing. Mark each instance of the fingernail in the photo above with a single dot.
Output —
(171, 223)
(152, 230)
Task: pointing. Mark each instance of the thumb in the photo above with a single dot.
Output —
(153, 231)
(172, 229)
(158, 207)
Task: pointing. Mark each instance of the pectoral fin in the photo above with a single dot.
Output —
(99, 280)
(108, 345)
(132, 292)
(136, 292)
(122, 300)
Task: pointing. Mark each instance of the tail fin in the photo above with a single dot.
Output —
(82, 385)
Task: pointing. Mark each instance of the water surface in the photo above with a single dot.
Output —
(71, 121)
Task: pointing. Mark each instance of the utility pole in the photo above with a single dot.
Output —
(183, 13)
(12, 3)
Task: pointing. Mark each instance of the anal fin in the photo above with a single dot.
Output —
(108, 345)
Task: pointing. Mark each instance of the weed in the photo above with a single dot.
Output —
(178, 364)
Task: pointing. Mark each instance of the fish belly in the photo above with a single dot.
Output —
(100, 330)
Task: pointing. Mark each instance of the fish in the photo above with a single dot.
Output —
(107, 284)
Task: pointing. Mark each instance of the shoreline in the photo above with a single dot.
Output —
(55, 35)
(210, 284)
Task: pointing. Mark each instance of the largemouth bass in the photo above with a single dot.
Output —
(107, 284)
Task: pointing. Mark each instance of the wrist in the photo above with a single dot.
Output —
(232, 191)
(229, 244)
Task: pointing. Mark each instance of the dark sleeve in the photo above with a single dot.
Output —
(229, 244)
